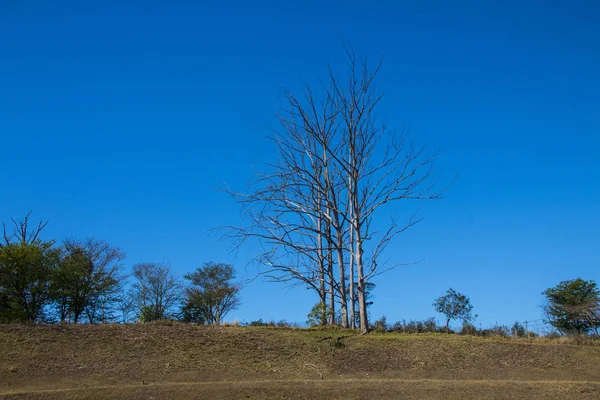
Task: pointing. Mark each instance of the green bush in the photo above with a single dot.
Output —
(380, 325)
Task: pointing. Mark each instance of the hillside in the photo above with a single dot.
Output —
(183, 361)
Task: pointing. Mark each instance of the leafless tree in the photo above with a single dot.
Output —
(337, 168)
(379, 172)
(156, 291)
(88, 280)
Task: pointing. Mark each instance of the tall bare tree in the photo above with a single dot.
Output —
(338, 168)
(379, 172)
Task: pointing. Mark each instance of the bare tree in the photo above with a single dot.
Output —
(88, 280)
(337, 168)
(126, 306)
(22, 233)
(157, 291)
(378, 172)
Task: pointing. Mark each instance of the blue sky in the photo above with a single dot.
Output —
(120, 120)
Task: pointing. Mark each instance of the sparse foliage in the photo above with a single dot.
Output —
(211, 293)
(157, 292)
(454, 305)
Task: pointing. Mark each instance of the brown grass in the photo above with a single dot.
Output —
(173, 360)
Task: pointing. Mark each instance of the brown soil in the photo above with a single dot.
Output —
(184, 361)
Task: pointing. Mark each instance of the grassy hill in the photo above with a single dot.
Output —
(183, 361)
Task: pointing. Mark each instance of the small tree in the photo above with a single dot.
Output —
(156, 291)
(381, 325)
(318, 314)
(518, 330)
(454, 305)
(573, 306)
(211, 294)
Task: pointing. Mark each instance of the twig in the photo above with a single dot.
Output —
(270, 367)
(315, 367)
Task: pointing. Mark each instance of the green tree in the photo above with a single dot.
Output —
(318, 314)
(381, 325)
(211, 293)
(454, 305)
(25, 275)
(518, 330)
(26, 267)
(573, 306)
(87, 281)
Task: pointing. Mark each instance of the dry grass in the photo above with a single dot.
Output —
(173, 360)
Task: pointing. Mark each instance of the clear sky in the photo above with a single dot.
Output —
(119, 120)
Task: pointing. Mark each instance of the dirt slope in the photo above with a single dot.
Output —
(182, 361)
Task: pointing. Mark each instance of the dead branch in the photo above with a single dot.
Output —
(316, 368)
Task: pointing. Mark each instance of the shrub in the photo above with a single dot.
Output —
(496, 330)
(428, 325)
(468, 329)
(380, 325)
(258, 322)
(518, 330)
(318, 315)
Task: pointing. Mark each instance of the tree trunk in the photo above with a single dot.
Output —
(331, 287)
(321, 258)
(362, 301)
(342, 284)
(351, 279)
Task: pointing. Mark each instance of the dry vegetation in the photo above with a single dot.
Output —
(185, 361)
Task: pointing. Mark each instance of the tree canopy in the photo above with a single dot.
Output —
(454, 305)
(573, 306)
(211, 293)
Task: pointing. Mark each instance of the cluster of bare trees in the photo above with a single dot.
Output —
(314, 211)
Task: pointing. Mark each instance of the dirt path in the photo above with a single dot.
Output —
(347, 388)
